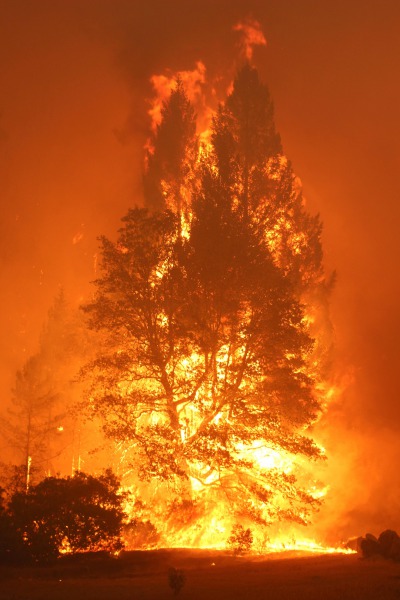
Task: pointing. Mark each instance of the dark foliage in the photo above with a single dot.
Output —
(72, 514)
(387, 545)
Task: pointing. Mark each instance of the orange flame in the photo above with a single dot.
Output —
(213, 525)
(193, 81)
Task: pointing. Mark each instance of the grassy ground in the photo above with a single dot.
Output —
(209, 576)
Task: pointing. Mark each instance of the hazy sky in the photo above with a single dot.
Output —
(74, 82)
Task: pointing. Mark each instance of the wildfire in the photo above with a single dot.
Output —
(193, 81)
(190, 398)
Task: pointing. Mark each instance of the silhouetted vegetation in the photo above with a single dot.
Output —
(62, 515)
(141, 534)
(241, 540)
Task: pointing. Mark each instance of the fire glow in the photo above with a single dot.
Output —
(216, 424)
(209, 362)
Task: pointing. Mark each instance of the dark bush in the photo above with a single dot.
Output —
(12, 547)
(389, 542)
(72, 514)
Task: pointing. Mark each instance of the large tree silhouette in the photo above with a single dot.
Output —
(205, 366)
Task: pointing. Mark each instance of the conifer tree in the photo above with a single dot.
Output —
(39, 425)
(171, 159)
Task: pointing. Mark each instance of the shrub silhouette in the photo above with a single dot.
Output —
(72, 514)
(241, 540)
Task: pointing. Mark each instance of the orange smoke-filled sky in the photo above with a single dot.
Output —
(73, 119)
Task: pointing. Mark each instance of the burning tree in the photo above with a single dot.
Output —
(208, 370)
